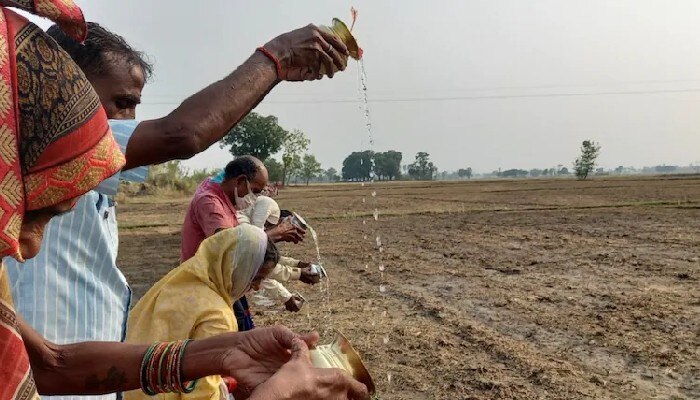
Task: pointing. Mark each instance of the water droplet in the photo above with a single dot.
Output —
(382, 288)
(381, 268)
(374, 193)
(388, 377)
(386, 339)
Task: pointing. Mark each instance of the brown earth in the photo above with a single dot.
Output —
(533, 289)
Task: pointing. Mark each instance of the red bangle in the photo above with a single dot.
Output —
(274, 59)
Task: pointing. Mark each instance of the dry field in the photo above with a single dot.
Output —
(534, 289)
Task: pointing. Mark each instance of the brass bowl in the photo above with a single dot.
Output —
(340, 354)
(341, 30)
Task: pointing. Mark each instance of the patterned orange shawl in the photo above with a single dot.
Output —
(55, 145)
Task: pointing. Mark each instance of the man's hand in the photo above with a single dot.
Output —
(299, 380)
(302, 52)
(286, 231)
(309, 277)
(255, 355)
(294, 304)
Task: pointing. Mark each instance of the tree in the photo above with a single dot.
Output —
(665, 169)
(294, 144)
(310, 167)
(257, 135)
(585, 163)
(357, 166)
(331, 175)
(563, 171)
(422, 168)
(536, 172)
(465, 172)
(274, 169)
(387, 165)
(514, 173)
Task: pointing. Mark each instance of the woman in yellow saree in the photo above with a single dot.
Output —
(194, 300)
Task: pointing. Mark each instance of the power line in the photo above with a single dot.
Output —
(461, 98)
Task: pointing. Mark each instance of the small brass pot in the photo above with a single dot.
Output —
(339, 29)
(340, 354)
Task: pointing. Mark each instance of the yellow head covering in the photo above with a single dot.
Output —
(195, 299)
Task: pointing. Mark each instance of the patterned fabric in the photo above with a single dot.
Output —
(194, 300)
(55, 145)
(73, 291)
(55, 136)
(17, 381)
(64, 12)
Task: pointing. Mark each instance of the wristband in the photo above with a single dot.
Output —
(274, 59)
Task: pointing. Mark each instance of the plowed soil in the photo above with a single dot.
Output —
(532, 289)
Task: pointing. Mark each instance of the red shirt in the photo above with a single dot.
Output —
(209, 211)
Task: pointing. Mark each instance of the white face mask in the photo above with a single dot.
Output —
(246, 201)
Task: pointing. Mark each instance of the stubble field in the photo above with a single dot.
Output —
(532, 289)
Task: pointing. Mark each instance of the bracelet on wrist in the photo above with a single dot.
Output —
(278, 65)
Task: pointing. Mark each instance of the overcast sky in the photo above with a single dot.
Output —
(488, 84)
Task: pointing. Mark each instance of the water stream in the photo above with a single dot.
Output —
(324, 285)
(383, 286)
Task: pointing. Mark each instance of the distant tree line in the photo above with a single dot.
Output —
(359, 165)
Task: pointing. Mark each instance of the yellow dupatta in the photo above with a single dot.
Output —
(195, 300)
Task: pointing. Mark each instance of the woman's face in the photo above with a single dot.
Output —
(262, 274)
(33, 225)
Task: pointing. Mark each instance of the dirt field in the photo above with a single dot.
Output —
(536, 289)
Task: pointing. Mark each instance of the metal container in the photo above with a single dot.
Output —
(340, 354)
(339, 29)
(318, 270)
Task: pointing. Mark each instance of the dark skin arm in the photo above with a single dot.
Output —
(204, 118)
(252, 358)
(99, 367)
(285, 231)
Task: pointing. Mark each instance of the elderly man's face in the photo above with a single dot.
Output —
(120, 89)
(256, 185)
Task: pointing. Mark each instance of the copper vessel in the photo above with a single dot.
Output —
(340, 354)
(339, 29)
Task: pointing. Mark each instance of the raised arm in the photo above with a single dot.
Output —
(204, 118)
(98, 367)
(252, 358)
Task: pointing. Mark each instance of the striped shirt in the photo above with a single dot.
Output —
(72, 291)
